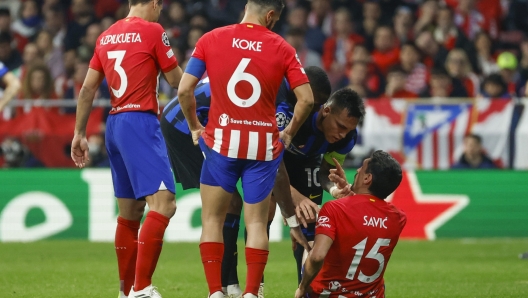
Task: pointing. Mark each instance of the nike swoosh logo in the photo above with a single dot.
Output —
(313, 197)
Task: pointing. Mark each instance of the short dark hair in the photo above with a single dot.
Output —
(277, 5)
(496, 79)
(396, 68)
(5, 37)
(474, 137)
(320, 85)
(413, 46)
(439, 71)
(136, 2)
(386, 174)
(349, 99)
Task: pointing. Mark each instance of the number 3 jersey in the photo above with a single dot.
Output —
(246, 64)
(131, 54)
(364, 230)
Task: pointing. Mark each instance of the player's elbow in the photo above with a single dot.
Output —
(184, 93)
(317, 258)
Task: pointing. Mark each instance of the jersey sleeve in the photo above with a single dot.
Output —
(340, 153)
(95, 63)
(327, 221)
(162, 49)
(295, 73)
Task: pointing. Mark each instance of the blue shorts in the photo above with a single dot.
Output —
(138, 155)
(258, 177)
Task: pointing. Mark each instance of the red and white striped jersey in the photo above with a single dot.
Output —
(246, 64)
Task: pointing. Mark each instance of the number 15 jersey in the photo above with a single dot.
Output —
(246, 64)
(131, 54)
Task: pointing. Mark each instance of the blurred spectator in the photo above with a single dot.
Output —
(5, 20)
(494, 86)
(38, 83)
(441, 85)
(104, 8)
(54, 22)
(83, 16)
(435, 54)
(97, 151)
(426, 16)
(469, 19)
(396, 84)
(358, 80)
(458, 67)
(30, 56)
(65, 81)
(177, 23)
(51, 54)
(106, 22)
(386, 51)
(192, 38)
(403, 22)
(416, 72)
(16, 155)
(224, 12)
(473, 156)
(338, 48)
(28, 23)
(295, 37)
(75, 83)
(199, 20)
(371, 17)
(8, 55)
(321, 16)
(507, 63)
(314, 37)
(87, 47)
(375, 81)
(485, 54)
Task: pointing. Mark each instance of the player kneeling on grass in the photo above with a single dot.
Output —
(355, 235)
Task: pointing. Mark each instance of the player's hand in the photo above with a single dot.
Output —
(79, 151)
(306, 211)
(197, 133)
(337, 175)
(286, 137)
(301, 293)
(297, 237)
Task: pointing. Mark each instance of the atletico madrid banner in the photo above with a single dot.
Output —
(430, 136)
(80, 204)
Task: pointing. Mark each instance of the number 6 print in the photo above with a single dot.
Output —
(240, 75)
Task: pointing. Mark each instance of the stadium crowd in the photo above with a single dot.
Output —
(379, 48)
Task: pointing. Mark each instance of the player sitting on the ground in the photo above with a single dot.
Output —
(355, 235)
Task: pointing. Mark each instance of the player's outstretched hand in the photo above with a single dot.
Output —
(79, 151)
(297, 236)
(300, 293)
(337, 175)
(196, 134)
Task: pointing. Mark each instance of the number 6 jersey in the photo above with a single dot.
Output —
(365, 231)
(246, 64)
(131, 54)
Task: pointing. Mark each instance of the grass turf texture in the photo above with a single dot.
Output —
(443, 268)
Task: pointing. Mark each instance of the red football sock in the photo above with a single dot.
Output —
(126, 249)
(256, 260)
(212, 254)
(149, 248)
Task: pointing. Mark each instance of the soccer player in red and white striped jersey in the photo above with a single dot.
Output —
(245, 63)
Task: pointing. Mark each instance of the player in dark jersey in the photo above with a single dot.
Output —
(329, 134)
(355, 235)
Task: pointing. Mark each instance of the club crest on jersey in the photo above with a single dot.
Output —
(223, 120)
(282, 119)
(165, 39)
(334, 285)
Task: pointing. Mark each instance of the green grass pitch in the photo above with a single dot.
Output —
(443, 268)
